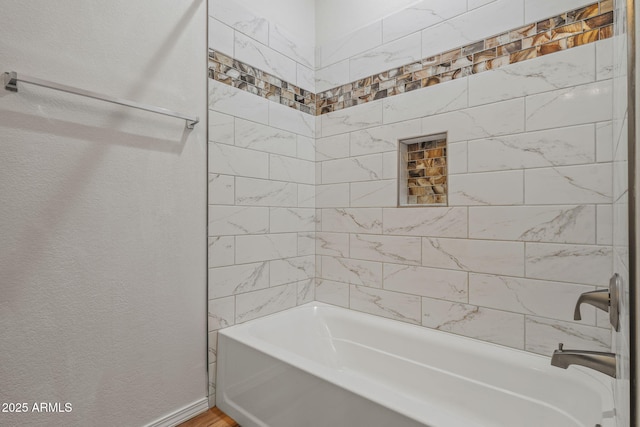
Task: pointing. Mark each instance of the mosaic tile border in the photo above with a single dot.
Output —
(235, 73)
(574, 28)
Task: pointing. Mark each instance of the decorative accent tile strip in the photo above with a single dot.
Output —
(235, 73)
(570, 29)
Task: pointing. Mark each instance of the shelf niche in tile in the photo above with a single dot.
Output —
(422, 171)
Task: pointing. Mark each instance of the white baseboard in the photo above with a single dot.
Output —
(182, 415)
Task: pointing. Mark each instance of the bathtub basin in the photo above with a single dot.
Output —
(320, 365)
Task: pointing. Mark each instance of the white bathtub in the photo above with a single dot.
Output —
(320, 365)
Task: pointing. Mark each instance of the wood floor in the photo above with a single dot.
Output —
(214, 417)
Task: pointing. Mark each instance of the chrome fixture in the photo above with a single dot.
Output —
(10, 82)
(605, 299)
(599, 361)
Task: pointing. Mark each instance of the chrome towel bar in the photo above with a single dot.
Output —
(10, 81)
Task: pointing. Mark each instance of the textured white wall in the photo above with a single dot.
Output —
(103, 226)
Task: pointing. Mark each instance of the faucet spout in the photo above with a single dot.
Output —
(599, 361)
(599, 299)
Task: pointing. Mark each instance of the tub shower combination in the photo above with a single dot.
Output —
(321, 365)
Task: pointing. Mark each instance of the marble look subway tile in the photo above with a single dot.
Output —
(474, 4)
(257, 192)
(481, 256)
(283, 117)
(306, 291)
(232, 220)
(212, 345)
(318, 266)
(543, 336)
(332, 147)
(381, 193)
(264, 302)
(260, 137)
(229, 160)
(306, 243)
(332, 196)
(604, 141)
(490, 188)
(221, 313)
(495, 326)
(564, 69)
(605, 225)
(383, 138)
(291, 270)
(390, 165)
(287, 220)
(500, 118)
(220, 37)
(221, 128)
(432, 222)
(428, 282)
(393, 305)
(570, 184)
(330, 292)
(333, 244)
(438, 99)
(419, 16)
(554, 147)
(220, 251)
(556, 224)
(386, 56)
(306, 148)
(604, 59)
(352, 119)
(237, 279)
(258, 55)
(306, 196)
(457, 154)
(240, 18)
(361, 168)
(238, 103)
(394, 249)
(221, 189)
(553, 300)
(569, 263)
(293, 46)
(265, 247)
(211, 375)
(318, 168)
(572, 106)
(352, 220)
(501, 15)
(332, 76)
(536, 10)
(353, 271)
(306, 78)
(290, 169)
(350, 45)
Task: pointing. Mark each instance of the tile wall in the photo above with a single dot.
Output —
(528, 226)
(303, 207)
(261, 178)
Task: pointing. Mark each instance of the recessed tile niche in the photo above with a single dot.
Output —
(422, 171)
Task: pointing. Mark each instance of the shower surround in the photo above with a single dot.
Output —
(303, 155)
